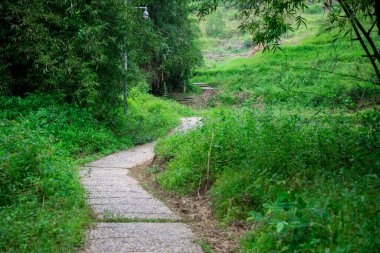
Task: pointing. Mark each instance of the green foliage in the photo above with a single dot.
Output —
(215, 24)
(295, 155)
(170, 45)
(71, 48)
(76, 49)
(42, 204)
(299, 173)
(268, 21)
(74, 130)
(41, 197)
(150, 118)
(312, 75)
(220, 36)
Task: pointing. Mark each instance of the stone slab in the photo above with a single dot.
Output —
(141, 237)
(126, 159)
(114, 194)
(189, 123)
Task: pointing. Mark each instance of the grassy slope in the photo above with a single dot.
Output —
(42, 206)
(287, 149)
(219, 36)
(297, 76)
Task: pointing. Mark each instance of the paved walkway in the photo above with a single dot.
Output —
(129, 218)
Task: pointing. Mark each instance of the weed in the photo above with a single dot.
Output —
(277, 164)
(42, 204)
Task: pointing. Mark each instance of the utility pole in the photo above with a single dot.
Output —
(125, 84)
(145, 16)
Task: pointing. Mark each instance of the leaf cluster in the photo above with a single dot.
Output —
(310, 182)
(71, 48)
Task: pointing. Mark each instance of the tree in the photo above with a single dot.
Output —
(215, 24)
(268, 20)
(75, 49)
(68, 48)
(169, 44)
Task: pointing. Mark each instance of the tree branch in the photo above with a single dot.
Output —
(354, 24)
(335, 73)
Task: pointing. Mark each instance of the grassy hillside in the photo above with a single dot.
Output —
(221, 38)
(291, 148)
(312, 74)
(42, 204)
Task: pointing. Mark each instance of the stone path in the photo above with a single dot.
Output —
(129, 218)
(201, 100)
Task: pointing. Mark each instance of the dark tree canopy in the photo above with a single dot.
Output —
(76, 48)
(173, 52)
(71, 48)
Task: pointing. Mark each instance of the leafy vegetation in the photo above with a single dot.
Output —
(42, 206)
(77, 49)
(63, 47)
(62, 68)
(311, 75)
(220, 38)
(268, 21)
(299, 174)
(291, 148)
(173, 50)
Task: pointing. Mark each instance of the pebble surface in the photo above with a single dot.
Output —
(113, 194)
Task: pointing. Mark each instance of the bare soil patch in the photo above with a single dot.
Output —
(194, 210)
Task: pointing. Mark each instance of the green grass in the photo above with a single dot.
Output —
(306, 183)
(290, 149)
(220, 34)
(42, 206)
(314, 74)
(42, 140)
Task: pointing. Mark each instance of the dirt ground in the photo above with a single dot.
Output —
(195, 211)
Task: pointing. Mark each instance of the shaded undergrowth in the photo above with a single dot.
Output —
(42, 204)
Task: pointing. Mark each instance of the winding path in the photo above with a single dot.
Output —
(129, 219)
(206, 94)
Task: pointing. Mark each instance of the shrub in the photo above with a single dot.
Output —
(40, 194)
(42, 204)
(298, 173)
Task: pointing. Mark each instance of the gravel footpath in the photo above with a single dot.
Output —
(114, 196)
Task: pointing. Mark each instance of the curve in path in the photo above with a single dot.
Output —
(207, 92)
(129, 219)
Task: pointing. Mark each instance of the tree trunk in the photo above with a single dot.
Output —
(357, 26)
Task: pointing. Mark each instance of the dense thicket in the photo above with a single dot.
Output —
(76, 48)
(168, 47)
(70, 48)
(310, 183)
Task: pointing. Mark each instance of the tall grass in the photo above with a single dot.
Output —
(42, 204)
(305, 184)
(292, 149)
(315, 74)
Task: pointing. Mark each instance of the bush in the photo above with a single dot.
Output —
(66, 48)
(215, 25)
(42, 204)
(150, 117)
(299, 174)
(40, 194)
